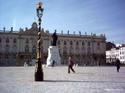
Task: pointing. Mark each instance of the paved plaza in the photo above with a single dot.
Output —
(57, 80)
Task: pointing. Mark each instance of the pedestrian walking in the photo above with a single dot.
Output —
(53, 63)
(118, 64)
(70, 65)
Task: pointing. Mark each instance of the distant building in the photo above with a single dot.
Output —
(118, 52)
(19, 47)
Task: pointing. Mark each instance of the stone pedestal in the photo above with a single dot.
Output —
(53, 56)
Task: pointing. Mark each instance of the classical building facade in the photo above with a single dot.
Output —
(21, 46)
(117, 52)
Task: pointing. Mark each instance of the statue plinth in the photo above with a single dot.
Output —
(53, 56)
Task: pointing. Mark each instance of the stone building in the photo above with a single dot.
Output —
(114, 53)
(17, 47)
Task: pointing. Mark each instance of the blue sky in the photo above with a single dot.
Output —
(96, 16)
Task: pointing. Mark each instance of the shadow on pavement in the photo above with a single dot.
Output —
(83, 81)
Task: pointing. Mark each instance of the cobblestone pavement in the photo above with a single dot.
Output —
(57, 80)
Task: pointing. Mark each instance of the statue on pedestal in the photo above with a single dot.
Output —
(55, 37)
(53, 52)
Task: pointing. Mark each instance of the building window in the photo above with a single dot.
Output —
(88, 43)
(7, 40)
(98, 44)
(71, 43)
(34, 49)
(14, 40)
(7, 48)
(0, 40)
(83, 48)
(0, 45)
(77, 49)
(64, 42)
(27, 41)
(89, 50)
(77, 43)
(71, 50)
(14, 48)
(59, 42)
(14, 56)
(6, 56)
(120, 53)
(65, 50)
(83, 43)
(26, 48)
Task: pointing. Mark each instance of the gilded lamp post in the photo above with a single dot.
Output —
(38, 70)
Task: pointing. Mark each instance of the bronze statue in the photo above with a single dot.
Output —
(55, 37)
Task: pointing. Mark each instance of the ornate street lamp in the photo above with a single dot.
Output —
(39, 70)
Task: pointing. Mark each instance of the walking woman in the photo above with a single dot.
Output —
(70, 65)
(118, 64)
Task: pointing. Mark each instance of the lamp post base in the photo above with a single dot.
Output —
(39, 75)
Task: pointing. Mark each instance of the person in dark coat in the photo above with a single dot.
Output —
(70, 65)
(53, 63)
(118, 64)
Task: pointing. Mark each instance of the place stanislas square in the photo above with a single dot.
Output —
(56, 79)
(50, 79)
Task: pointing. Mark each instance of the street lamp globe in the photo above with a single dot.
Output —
(39, 9)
